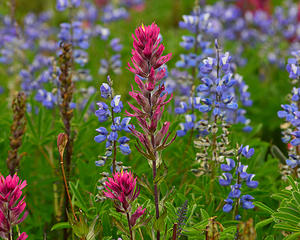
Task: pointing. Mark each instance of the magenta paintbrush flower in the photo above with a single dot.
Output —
(147, 52)
(11, 207)
(147, 61)
(124, 190)
(23, 236)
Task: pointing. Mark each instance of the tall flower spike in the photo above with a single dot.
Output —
(290, 112)
(11, 206)
(236, 176)
(17, 132)
(147, 61)
(118, 126)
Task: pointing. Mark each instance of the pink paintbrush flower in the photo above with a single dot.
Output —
(23, 236)
(123, 189)
(147, 52)
(11, 207)
(147, 58)
(147, 61)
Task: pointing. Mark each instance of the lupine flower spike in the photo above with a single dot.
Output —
(11, 206)
(123, 189)
(118, 126)
(151, 98)
(234, 175)
(290, 112)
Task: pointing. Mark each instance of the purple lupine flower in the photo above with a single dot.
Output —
(236, 173)
(113, 138)
(61, 5)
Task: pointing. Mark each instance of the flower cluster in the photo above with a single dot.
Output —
(234, 175)
(62, 5)
(147, 59)
(291, 114)
(123, 189)
(11, 207)
(118, 125)
(218, 95)
(113, 63)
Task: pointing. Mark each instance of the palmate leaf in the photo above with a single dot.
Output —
(264, 223)
(287, 217)
(263, 207)
(292, 236)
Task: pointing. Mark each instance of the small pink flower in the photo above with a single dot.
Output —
(147, 52)
(138, 213)
(11, 207)
(23, 236)
(122, 188)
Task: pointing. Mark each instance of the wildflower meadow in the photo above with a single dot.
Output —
(150, 119)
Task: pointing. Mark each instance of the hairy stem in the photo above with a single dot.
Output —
(129, 226)
(156, 195)
(66, 187)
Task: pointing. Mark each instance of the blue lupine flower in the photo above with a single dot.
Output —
(105, 90)
(225, 61)
(113, 136)
(293, 68)
(115, 44)
(228, 206)
(240, 177)
(75, 3)
(61, 5)
(242, 171)
(225, 179)
(250, 183)
(118, 125)
(235, 191)
(247, 152)
(102, 135)
(182, 108)
(293, 161)
(103, 112)
(125, 124)
(246, 201)
(111, 14)
(229, 166)
(117, 104)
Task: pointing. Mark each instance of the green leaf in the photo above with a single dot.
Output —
(159, 179)
(286, 217)
(290, 211)
(204, 214)
(276, 152)
(263, 207)
(94, 230)
(296, 196)
(61, 225)
(159, 223)
(292, 182)
(263, 223)
(292, 236)
(79, 199)
(286, 227)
